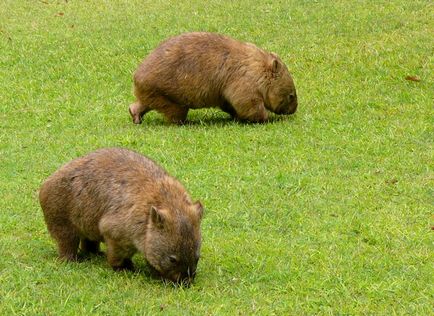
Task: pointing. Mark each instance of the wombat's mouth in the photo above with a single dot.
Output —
(287, 109)
(180, 278)
(176, 278)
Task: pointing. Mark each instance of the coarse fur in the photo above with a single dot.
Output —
(200, 69)
(126, 200)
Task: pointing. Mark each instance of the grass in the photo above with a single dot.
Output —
(328, 211)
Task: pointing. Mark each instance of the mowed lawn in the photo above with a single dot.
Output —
(328, 211)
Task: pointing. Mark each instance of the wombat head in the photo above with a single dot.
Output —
(281, 97)
(173, 242)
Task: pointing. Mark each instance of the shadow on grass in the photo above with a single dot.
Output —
(141, 268)
(212, 120)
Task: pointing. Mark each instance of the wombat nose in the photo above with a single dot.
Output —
(292, 106)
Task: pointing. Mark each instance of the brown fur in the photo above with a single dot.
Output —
(198, 70)
(126, 200)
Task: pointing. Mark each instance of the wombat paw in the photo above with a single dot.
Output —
(127, 265)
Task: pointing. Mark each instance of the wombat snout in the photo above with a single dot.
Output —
(184, 278)
(293, 103)
(290, 106)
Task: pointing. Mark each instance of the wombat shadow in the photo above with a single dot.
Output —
(141, 270)
(211, 119)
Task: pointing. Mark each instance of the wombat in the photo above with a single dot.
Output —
(199, 70)
(126, 200)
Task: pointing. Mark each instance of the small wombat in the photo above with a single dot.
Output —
(126, 200)
(199, 70)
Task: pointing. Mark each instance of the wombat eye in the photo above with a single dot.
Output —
(173, 259)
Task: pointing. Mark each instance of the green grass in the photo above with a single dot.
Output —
(328, 211)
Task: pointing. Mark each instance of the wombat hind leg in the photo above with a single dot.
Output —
(68, 246)
(137, 110)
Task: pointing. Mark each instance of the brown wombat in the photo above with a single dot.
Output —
(126, 200)
(198, 70)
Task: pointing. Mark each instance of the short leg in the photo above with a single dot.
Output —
(252, 110)
(248, 106)
(137, 110)
(174, 113)
(118, 257)
(88, 246)
(67, 242)
(227, 107)
(128, 264)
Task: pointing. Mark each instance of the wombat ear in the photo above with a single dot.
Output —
(274, 63)
(157, 217)
(199, 209)
(275, 66)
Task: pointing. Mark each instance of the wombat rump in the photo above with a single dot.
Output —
(199, 70)
(126, 200)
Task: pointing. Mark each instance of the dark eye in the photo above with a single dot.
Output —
(173, 259)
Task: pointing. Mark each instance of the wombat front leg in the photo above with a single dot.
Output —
(248, 105)
(227, 107)
(118, 257)
(174, 113)
(252, 110)
(88, 246)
